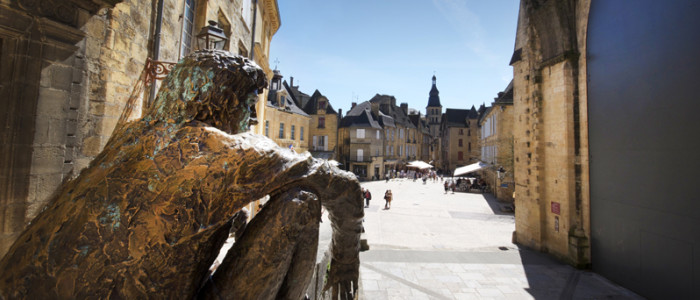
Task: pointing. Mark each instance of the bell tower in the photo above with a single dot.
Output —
(434, 110)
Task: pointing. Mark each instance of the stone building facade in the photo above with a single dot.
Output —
(323, 127)
(550, 130)
(496, 143)
(285, 123)
(68, 68)
(605, 139)
(361, 136)
(459, 138)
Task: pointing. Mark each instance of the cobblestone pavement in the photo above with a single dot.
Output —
(432, 245)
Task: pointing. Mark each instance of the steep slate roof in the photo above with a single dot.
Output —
(387, 105)
(360, 116)
(312, 104)
(289, 104)
(458, 117)
(420, 123)
(506, 97)
(434, 99)
(299, 97)
(385, 120)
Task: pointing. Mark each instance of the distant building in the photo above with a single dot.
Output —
(323, 126)
(496, 143)
(362, 139)
(423, 137)
(459, 138)
(285, 123)
(394, 120)
(433, 112)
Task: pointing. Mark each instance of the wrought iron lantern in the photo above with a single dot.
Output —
(501, 172)
(211, 37)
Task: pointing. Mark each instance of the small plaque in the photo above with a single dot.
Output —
(556, 208)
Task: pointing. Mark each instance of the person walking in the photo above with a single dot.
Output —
(387, 197)
(447, 186)
(368, 196)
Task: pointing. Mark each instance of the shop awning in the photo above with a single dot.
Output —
(419, 164)
(470, 168)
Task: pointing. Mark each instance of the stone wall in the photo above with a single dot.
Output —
(276, 116)
(550, 136)
(75, 65)
(330, 130)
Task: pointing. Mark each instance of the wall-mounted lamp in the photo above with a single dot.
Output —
(211, 37)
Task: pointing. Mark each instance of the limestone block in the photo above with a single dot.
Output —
(95, 27)
(47, 159)
(92, 145)
(106, 125)
(61, 77)
(93, 47)
(71, 126)
(50, 131)
(96, 108)
(76, 95)
(41, 187)
(113, 109)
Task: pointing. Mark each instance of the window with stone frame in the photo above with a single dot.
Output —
(267, 128)
(460, 142)
(281, 131)
(301, 133)
(247, 12)
(291, 132)
(460, 155)
(322, 105)
(187, 35)
(321, 122)
(360, 133)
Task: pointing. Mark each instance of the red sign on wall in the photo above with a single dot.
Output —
(556, 208)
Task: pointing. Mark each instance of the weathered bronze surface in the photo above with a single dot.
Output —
(147, 218)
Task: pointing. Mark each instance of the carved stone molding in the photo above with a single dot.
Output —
(64, 11)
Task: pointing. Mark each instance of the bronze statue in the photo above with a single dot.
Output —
(147, 218)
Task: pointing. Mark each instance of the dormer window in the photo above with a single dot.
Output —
(322, 105)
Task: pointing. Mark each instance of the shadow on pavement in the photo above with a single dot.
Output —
(495, 205)
(551, 279)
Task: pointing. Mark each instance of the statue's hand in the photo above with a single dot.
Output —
(342, 279)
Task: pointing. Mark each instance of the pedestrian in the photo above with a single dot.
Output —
(364, 194)
(368, 196)
(447, 185)
(453, 186)
(387, 197)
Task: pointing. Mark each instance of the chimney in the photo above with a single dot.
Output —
(404, 107)
(375, 109)
(291, 81)
(340, 113)
(353, 105)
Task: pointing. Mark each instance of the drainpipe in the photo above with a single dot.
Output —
(156, 47)
(252, 39)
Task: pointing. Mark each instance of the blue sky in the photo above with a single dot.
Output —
(352, 50)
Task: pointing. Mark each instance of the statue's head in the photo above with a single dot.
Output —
(212, 86)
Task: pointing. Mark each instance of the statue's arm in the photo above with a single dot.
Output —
(259, 167)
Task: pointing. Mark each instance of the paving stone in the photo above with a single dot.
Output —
(446, 246)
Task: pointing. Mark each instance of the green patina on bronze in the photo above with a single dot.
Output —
(147, 218)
